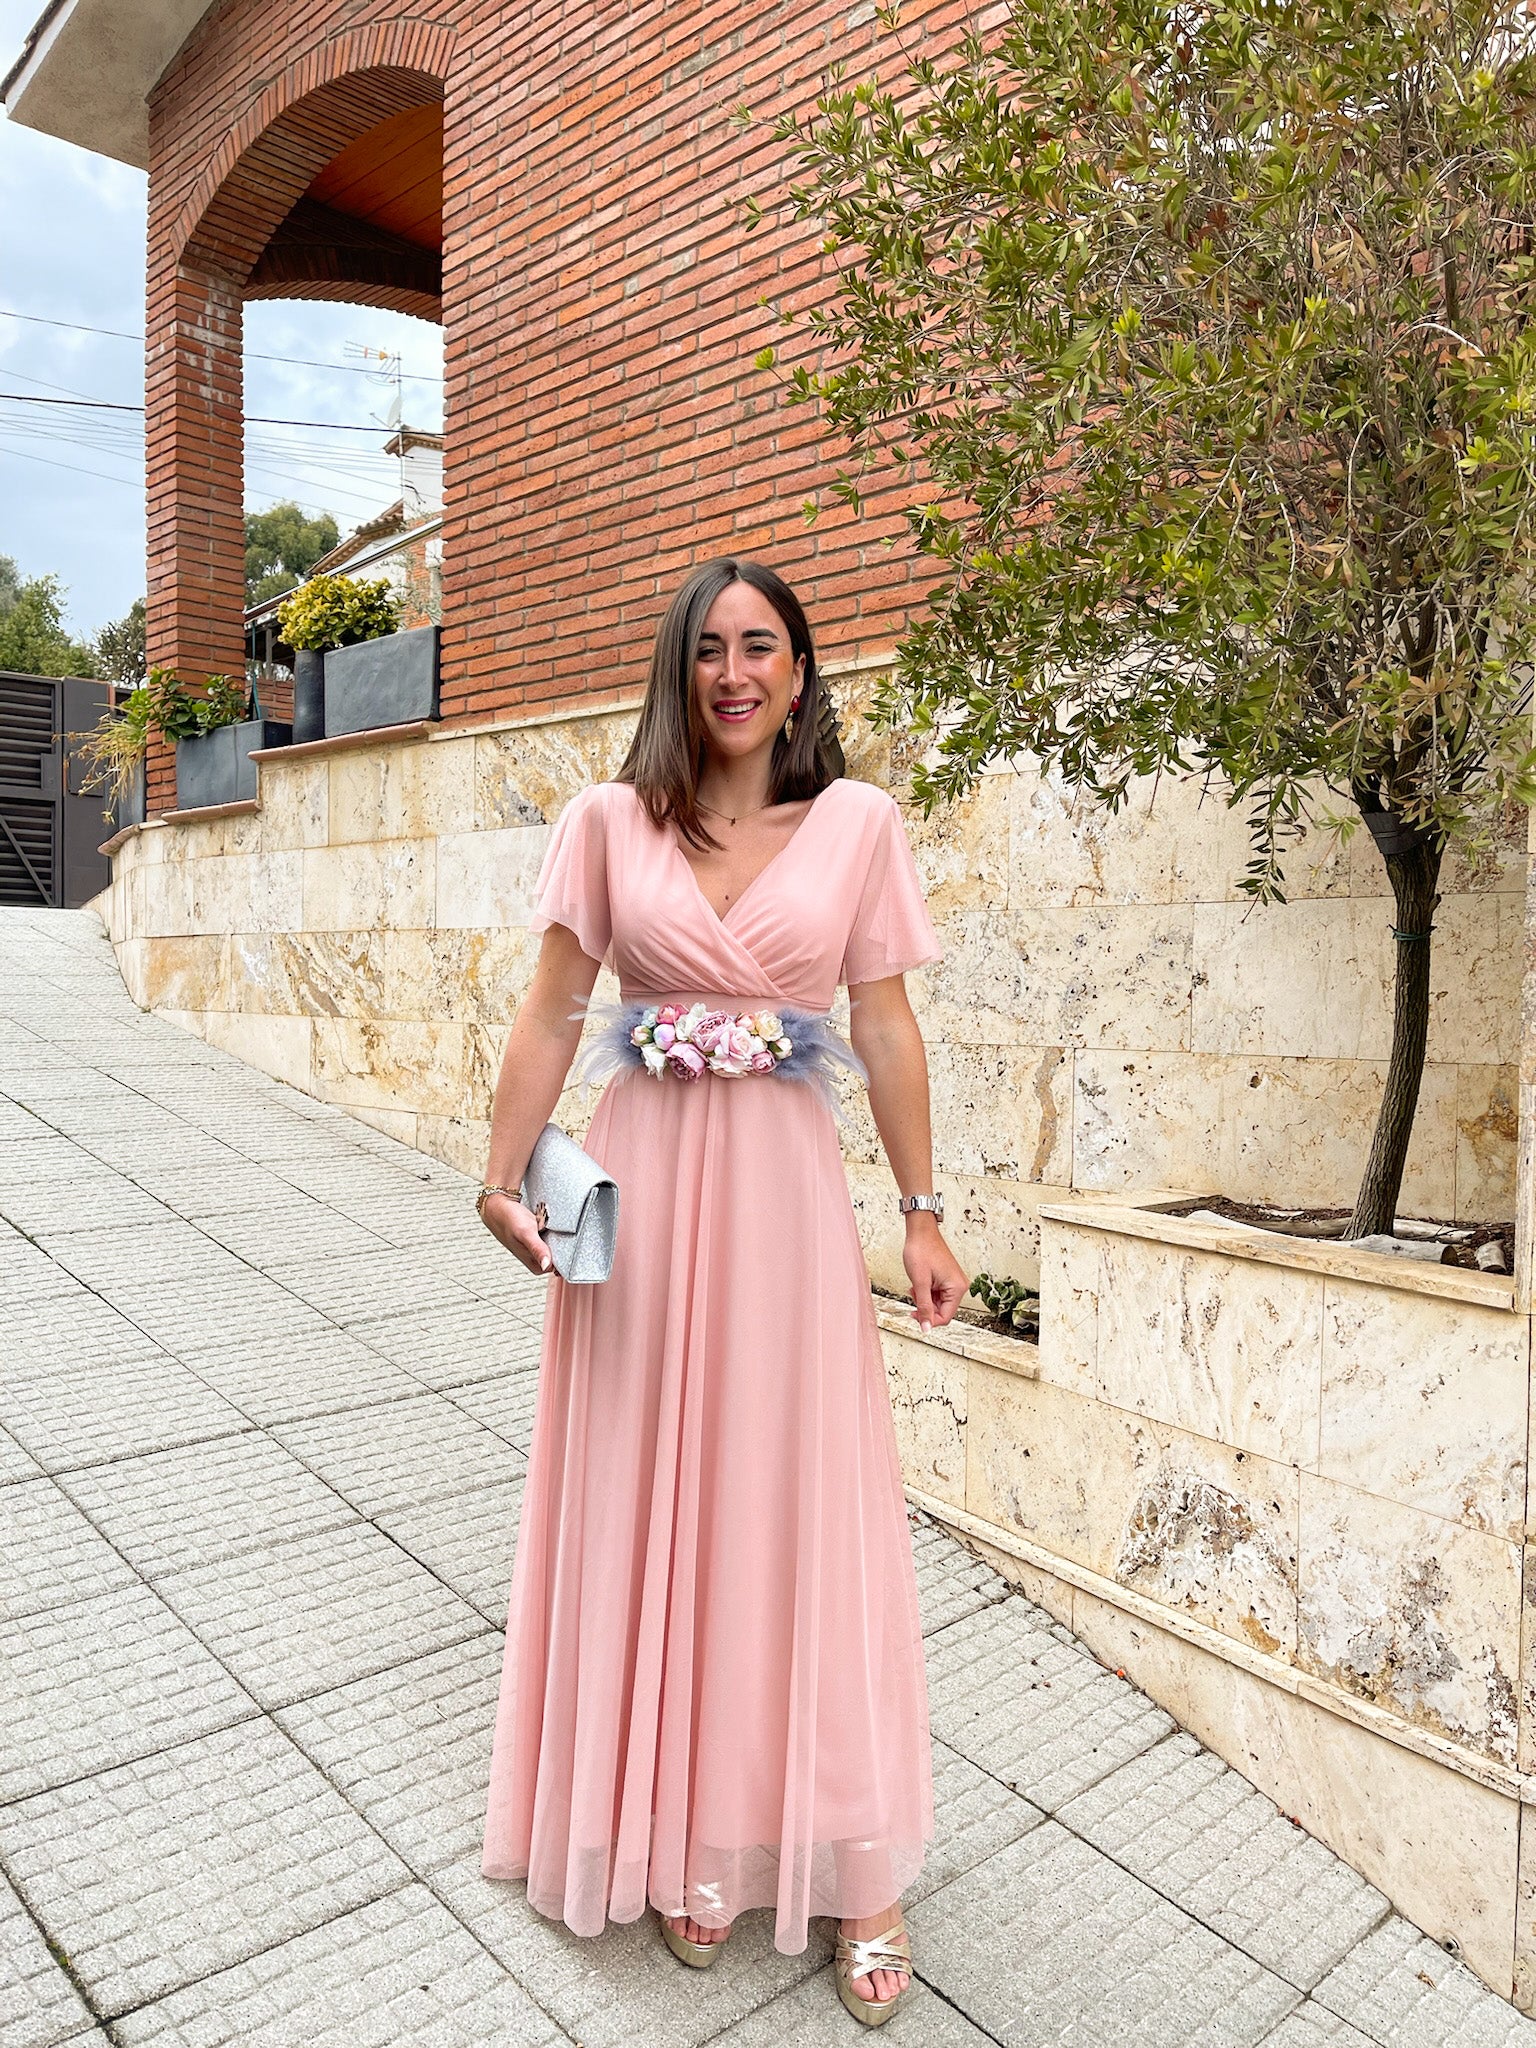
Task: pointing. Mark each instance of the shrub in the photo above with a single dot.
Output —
(338, 611)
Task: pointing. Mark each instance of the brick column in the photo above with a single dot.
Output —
(194, 456)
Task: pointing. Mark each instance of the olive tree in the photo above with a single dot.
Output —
(1197, 342)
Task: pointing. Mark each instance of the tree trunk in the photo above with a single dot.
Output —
(1413, 866)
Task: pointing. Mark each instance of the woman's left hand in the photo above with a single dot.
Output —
(939, 1282)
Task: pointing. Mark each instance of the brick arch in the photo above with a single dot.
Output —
(319, 104)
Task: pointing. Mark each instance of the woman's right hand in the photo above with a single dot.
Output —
(514, 1224)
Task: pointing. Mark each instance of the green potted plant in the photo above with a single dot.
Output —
(112, 753)
(212, 736)
(353, 667)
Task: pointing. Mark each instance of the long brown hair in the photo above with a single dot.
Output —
(668, 750)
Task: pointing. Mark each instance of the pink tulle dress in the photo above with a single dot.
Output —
(713, 1695)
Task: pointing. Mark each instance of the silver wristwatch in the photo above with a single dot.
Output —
(906, 1203)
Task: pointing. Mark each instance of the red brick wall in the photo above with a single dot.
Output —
(605, 427)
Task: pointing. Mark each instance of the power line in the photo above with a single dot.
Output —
(252, 355)
(21, 455)
(252, 419)
(369, 503)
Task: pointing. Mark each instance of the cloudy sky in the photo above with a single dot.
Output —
(72, 480)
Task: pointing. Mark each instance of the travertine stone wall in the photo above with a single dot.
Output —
(1285, 1488)
(1111, 1013)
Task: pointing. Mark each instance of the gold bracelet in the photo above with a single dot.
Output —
(490, 1188)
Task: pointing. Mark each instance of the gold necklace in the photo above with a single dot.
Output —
(726, 814)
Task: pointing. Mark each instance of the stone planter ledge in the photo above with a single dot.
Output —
(965, 1340)
(1309, 1255)
(242, 807)
(342, 742)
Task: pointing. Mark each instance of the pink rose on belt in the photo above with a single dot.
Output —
(686, 1060)
(735, 1048)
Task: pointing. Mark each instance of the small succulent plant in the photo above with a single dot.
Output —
(1015, 1306)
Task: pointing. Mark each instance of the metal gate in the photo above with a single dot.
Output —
(51, 822)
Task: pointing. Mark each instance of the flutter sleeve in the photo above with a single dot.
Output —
(572, 888)
(892, 930)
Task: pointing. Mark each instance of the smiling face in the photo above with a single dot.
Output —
(745, 673)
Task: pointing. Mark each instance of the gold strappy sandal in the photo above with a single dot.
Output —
(889, 1951)
(698, 1955)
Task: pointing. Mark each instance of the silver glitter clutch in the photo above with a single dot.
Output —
(577, 1203)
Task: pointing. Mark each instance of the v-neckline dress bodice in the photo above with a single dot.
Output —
(781, 940)
(713, 1695)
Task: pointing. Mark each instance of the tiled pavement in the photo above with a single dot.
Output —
(265, 1394)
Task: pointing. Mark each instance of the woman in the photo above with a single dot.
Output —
(713, 1696)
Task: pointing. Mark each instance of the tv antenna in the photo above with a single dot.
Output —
(388, 371)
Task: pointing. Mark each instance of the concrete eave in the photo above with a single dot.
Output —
(88, 66)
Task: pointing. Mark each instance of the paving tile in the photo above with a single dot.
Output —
(225, 1188)
(1404, 1991)
(400, 1453)
(411, 1748)
(138, 1255)
(49, 1553)
(974, 1817)
(61, 1098)
(29, 1278)
(289, 1232)
(82, 1329)
(350, 1181)
(396, 1972)
(1196, 1831)
(1050, 1945)
(298, 1617)
(39, 2006)
(468, 1540)
(1010, 1689)
(59, 1205)
(155, 1874)
(319, 1371)
(16, 1124)
(188, 1319)
(14, 1461)
(446, 1348)
(505, 1405)
(951, 1580)
(172, 1510)
(489, 1270)
(1309, 2026)
(166, 1150)
(625, 1986)
(100, 1682)
(365, 1287)
(284, 1140)
(395, 1193)
(82, 1415)
(811, 2015)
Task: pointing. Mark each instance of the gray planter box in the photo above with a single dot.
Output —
(389, 681)
(129, 809)
(216, 768)
(308, 695)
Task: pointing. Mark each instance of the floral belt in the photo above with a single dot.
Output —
(689, 1040)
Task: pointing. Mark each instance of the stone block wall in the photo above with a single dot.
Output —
(1284, 1485)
